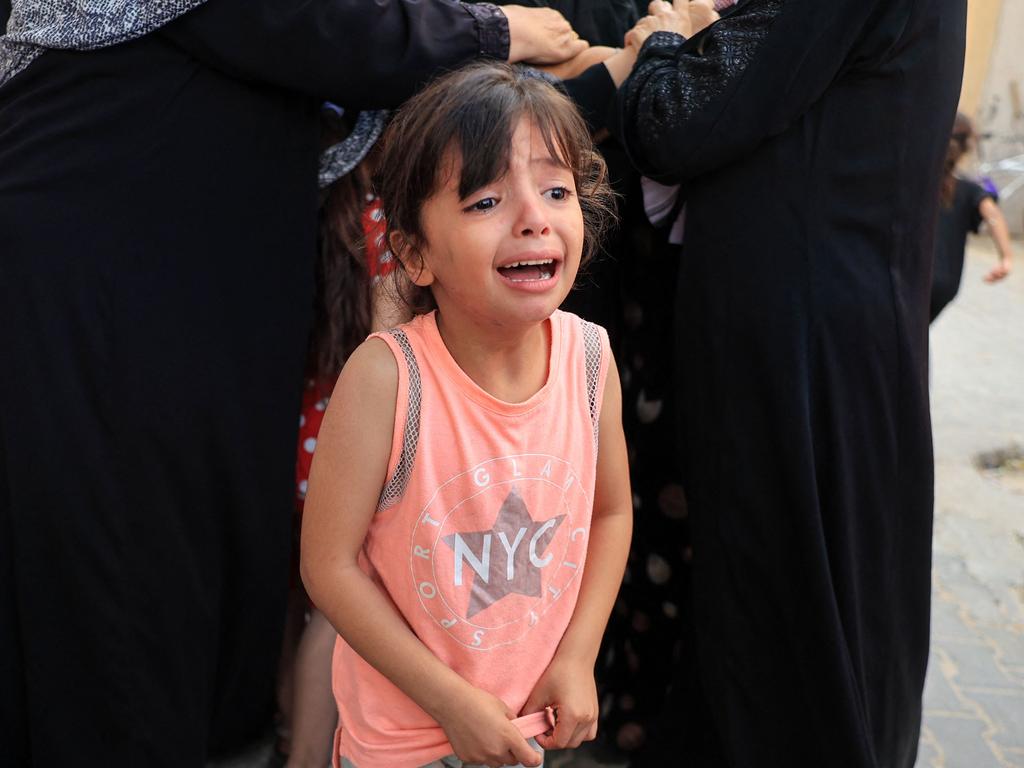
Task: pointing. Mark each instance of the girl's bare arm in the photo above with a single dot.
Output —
(1000, 234)
(568, 683)
(610, 532)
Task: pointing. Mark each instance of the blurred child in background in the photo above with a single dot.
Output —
(964, 205)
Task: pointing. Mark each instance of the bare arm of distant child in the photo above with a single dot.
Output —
(345, 483)
(568, 683)
(1000, 234)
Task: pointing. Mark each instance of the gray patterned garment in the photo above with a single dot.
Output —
(338, 159)
(79, 25)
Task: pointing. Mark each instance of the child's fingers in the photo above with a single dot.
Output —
(523, 753)
(585, 730)
(547, 740)
(576, 738)
(566, 725)
(996, 275)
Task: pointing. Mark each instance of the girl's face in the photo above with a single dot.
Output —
(507, 254)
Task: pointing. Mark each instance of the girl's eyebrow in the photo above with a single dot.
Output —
(549, 161)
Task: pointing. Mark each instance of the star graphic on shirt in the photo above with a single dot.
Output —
(516, 531)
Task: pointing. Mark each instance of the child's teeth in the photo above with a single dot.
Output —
(533, 263)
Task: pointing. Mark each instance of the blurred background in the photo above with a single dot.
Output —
(992, 96)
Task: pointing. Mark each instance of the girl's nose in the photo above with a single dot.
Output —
(533, 218)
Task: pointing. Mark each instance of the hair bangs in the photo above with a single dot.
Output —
(483, 132)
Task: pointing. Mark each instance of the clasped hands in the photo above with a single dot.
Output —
(567, 56)
(479, 725)
(684, 17)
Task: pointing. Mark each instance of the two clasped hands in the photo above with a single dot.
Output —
(567, 56)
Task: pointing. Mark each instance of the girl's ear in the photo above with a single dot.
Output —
(411, 259)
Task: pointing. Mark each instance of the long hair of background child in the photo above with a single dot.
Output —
(342, 299)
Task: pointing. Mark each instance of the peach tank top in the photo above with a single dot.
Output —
(480, 537)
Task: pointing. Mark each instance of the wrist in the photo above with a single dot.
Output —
(576, 653)
(518, 48)
(621, 64)
(446, 698)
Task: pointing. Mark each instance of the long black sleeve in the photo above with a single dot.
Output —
(360, 53)
(692, 105)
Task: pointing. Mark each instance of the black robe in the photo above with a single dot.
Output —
(809, 139)
(158, 216)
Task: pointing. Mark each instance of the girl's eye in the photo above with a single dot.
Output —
(483, 205)
(559, 193)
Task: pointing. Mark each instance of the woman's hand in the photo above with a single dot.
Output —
(662, 17)
(702, 13)
(540, 36)
(568, 688)
(581, 62)
(479, 728)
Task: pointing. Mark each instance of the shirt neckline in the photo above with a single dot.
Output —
(453, 371)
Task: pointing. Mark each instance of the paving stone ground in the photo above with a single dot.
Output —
(974, 693)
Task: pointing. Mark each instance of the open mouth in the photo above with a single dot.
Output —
(533, 270)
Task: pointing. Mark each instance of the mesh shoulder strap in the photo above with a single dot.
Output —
(395, 487)
(592, 353)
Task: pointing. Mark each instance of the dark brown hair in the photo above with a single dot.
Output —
(960, 143)
(342, 293)
(474, 112)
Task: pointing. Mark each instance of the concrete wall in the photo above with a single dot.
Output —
(982, 24)
(992, 94)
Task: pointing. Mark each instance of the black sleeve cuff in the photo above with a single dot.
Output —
(492, 29)
(663, 42)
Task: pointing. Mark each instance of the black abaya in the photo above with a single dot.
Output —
(809, 138)
(158, 211)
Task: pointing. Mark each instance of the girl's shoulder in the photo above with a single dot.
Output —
(565, 316)
(371, 367)
(584, 332)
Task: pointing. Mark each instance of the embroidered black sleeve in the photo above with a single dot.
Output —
(492, 27)
(671, 84)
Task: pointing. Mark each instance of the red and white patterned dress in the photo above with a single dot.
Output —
(317, 393)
